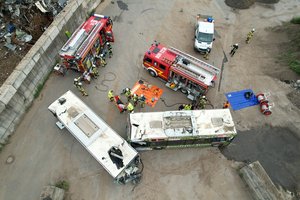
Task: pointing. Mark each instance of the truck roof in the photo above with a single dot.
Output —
(206, 27)
(92, 132)
(160, 52)
(83, 37)
(163, 125)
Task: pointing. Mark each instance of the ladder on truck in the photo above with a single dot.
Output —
(196, 61)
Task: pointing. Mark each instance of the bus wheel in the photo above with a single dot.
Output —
(184, 91)
(158, 148)
(152, 73)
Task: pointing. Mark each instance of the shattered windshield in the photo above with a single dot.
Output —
(205, 37)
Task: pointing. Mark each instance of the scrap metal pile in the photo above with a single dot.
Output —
(22, 22)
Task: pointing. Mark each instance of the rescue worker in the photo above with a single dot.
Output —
(202, 102)
(109, 49)
(142, 100)
(78, 85)
(135, 99)
(110, 95)
(181, 107)
(187, 107)
(94, 71)
(234, 48)
(127, 93)
(226, 105)
(68, 34)
(86, 77)
(206, 55)
(130, 107)
(250, 35)
(102, 60)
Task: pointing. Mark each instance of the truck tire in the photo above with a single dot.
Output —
(152, 73)
(184, 91)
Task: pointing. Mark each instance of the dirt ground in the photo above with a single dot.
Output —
(44, 154)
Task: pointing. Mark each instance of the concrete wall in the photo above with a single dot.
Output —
(17, 93)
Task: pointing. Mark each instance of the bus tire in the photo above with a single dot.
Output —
(152, 73)
(158, 148)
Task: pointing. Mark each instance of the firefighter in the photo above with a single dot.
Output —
(78, 85)
(102, 60)
(130, 107)
(86, 77)
(226, 105)
(135, 99)
(142, 100)
(110, 95)
(250, 35)
(181, 107)
(187, 107)
(109, 49)
(94, 71)
(206, 55)
(234, 48)
(127, 93)
(202, 102)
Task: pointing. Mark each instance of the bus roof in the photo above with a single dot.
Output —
(92, 132)
(176, 124)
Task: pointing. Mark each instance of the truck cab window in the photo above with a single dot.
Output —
(162, 67)
(148, 60)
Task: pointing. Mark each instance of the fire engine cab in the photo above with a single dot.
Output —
(182, 71)
(87, 43)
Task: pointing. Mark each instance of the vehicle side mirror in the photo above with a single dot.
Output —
(214, 39)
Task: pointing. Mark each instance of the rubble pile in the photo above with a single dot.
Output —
(22, 22)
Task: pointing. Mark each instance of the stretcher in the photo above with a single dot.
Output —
(120, 105)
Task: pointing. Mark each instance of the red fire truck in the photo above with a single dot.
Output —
(87, 43)
(182, 71)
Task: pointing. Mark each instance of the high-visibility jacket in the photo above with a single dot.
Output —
(110, 94)
(187, 107)
(130, 107)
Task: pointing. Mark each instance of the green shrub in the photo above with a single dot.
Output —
(63, 185)
(295, 66)
(295, 20)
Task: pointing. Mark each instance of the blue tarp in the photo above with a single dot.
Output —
(238, 101)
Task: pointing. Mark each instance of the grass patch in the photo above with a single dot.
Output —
(295, 20)
(295, 66)
(63, 185)
(40, 86)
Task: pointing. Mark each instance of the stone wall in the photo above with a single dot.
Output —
(17, 93)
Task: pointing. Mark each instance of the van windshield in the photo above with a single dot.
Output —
(205, 37)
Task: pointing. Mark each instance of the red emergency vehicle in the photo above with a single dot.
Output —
(182, 71)
(87, 43)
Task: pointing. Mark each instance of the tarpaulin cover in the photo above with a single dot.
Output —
(151, 92)
(238, 101)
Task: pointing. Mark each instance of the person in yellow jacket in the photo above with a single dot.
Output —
(250, 35)
(130, 107)
(110, 95)
(187, 107)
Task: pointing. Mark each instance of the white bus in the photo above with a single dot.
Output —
(191, 128)
(119, 159)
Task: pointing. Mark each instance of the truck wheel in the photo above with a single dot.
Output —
(152, 73)
(184, 91)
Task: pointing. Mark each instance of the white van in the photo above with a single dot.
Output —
(204, 34)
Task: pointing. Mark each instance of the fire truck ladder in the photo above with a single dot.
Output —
(196, 61)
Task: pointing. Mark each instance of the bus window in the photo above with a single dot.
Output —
(176, 142)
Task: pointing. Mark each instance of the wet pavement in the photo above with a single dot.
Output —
(276, 148)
